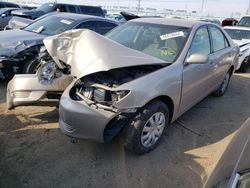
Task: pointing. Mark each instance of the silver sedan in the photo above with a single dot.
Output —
(140, 77)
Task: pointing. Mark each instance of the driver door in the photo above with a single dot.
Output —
(197, 78)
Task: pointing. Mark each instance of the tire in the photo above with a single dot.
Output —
(141, 135)
(244, 66)
(31, 66)
(224, 85)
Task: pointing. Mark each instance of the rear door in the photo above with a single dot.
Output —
(222, 55)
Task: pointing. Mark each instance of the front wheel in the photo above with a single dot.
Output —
(224, 85)
(145, 131)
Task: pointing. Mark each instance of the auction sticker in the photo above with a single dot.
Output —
(66, 22)
(172, 35)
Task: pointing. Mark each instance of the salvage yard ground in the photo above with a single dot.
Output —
(34, 153)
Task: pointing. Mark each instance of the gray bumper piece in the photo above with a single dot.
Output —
(25, 89)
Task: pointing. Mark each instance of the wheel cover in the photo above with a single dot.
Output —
(153, 129)
(225, 82)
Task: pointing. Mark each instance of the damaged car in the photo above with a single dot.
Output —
(19, 49)
(241, 36)
(139, 78)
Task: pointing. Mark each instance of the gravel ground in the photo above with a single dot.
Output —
(34, 153)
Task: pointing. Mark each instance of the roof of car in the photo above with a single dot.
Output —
(78, 16)
(237, 28)
(169, 21)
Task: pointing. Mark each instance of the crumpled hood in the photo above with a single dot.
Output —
(14, 41)
(88, 52)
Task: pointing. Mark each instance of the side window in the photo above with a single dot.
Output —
(200, 43)
(71, 8)
(104, 27)
(91, 25)
(218, 39)
(61, 8)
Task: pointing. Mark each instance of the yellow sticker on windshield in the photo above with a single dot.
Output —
(172, 35)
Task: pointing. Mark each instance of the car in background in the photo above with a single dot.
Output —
(59, 7)
(137, 83)
(5, 16)
(244, 21)
(19, 48)
(241, 36)
(233, 168)
(4, 4)
(229, 22)
(215, 21)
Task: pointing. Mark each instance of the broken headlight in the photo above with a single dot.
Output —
(96, 94)
(46, 72)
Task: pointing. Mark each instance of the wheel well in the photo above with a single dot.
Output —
(169, 102)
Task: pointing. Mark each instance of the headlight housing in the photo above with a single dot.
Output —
(46, 72)
(97, 95)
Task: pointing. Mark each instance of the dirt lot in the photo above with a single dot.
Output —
(34, 153)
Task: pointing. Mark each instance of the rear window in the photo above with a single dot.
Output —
(238, 34)
(96, 11)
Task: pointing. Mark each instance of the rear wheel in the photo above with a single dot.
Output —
(144, 132)
(244, 65)
(224, 85)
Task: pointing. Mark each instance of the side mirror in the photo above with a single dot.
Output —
(197, 59)
(3, 15)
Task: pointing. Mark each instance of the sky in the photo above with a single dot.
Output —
(213, 7)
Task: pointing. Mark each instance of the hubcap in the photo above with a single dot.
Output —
(225, 83)
(153, 129)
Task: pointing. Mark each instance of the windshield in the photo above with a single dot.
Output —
(47, 7)
(50, 25)
(2, 11)
(161, 41)
(245, 21)
(238, 34)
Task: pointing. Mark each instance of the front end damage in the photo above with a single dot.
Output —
(98, 102)
(93, 106)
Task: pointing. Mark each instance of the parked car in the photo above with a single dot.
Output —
(51, 7)
(138, 82)
(5, 14)
(244, 21)
(241, 36)
(19, 48)
(229, 22)
(8, 4)
(233, 168)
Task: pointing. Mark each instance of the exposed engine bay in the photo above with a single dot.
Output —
(98, 88)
